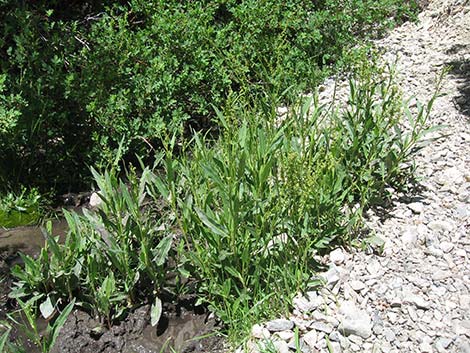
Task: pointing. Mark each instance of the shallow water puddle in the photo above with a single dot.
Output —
(28, 239)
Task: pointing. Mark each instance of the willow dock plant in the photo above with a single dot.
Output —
(242, 214)
(258, 202)
(111, 260)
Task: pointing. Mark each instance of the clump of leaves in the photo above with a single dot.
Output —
(111, 260)
(20, 209)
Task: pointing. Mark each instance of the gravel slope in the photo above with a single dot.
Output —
(415, 296)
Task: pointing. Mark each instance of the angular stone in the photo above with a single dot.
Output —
(303, 305)
(425, 347)
(355, 322)
(310, 338)
(464, 300)
(322, 327)
(279, 325)
(446, 246)
(442, 344)
(259, 332)
(416, 207)
(441, 275)
(335, 336)
(389, 335)
(373, 267)
(463, 328)
(440, 226)
(418, 301)
(409, 237)
(95, 200)
(463, 345)
(357, 285)
(281, 346)
(356, 339)
(284, 335)
(335, 347)
(302, 345)
(331, 276)
(337, 256)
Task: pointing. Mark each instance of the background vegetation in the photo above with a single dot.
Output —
(77, 78)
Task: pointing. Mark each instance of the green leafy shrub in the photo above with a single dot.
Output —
(253, 205)
(78, 79)
(21, 209)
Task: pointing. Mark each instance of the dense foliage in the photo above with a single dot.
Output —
(242, 215)
(79, 77)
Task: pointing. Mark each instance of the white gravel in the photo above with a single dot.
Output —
(415, 296)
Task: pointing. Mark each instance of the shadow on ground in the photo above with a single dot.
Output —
(460, 69)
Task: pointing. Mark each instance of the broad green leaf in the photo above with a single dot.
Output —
(211, 224)
(162, 249)
(156, 312)
(46, 308)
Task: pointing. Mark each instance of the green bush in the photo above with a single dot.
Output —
(257, 203)
(79, 78)
(249, 208)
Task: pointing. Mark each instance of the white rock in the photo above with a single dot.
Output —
(95, 200)
(322, 327)
(462, 328)
(357, 285)
(461, 253)
(446, 246)
(464, 300)
(354, 321)
(335, 347)
(279, 325)
(441, 275)
(281, 346)
(463, 345)
(373, 267)
(315, 299)
(440, 226)
(425, 347)
(259, 332)
(452, 176)
(417, 300)
(409, 237)
(416, 207)
(285, 335)
(337, 256)
(303, 305)
(389, 335)
(442, 344)
(331, 276)
(310, 338)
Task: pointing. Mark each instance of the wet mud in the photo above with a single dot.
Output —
(183, 327)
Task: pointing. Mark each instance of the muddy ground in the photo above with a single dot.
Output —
(180, 328)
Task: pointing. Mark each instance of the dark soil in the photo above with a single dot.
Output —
(179, 333)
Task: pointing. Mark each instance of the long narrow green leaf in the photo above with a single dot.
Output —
(59, 322)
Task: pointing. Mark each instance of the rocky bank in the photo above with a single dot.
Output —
(414, 296)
